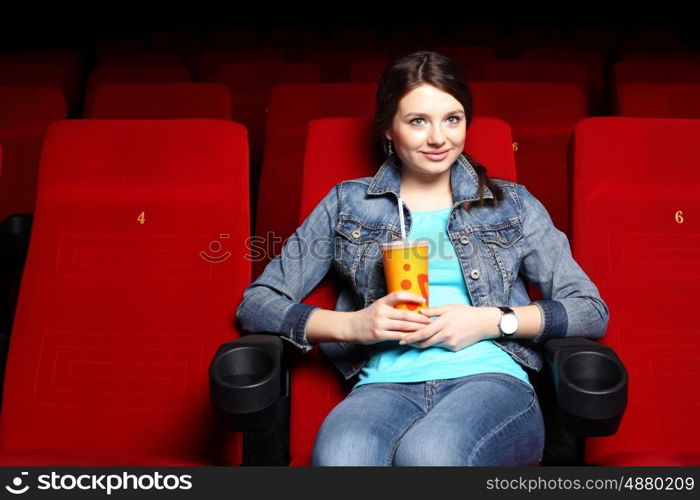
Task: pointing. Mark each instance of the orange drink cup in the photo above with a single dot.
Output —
(406, 269)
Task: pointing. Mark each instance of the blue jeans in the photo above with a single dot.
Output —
(488, 419)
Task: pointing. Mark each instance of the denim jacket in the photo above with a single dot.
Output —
(499, 248)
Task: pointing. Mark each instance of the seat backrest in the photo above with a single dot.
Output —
(46, 74)
(24, 107)
(161, 101)
(317, 386)
(70, 60)
(292, 107)
(661, 71)
(209, 61)
(367, 70)
(472, 59)
(131, 74)
(659, 100)
(335, 63)
(542, 117)
(635, 194)
(592, 59)
(25, 113)
(138, 57)
(135, 267)
(250, 85)
(574, 72)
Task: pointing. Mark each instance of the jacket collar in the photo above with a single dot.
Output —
(464, 180)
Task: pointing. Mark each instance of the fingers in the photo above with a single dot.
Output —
(414, 317)
(423, 334)
(398, 297)
(384, 335)
(403, 326)
(434, 311)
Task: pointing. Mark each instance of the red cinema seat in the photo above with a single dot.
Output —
(250, 85)
(131, 74)
(367, 71)
(593, 60)
(472, 59)
(70, 60)
(573, 72)
(135, 266)
(635, 194)
(161, 101)
(25, 113)
(292, 107)
(651, 71)
(44, 74)
(316, 385)
(542, 117)
(660, 55)
(336, 63)
(209, 62)
(659, 100)
(137, 57)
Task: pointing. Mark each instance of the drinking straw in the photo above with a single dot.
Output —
(403, 230)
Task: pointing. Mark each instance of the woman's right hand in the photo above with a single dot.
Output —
(380, 321)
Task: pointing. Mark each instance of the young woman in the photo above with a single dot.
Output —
(446, 385)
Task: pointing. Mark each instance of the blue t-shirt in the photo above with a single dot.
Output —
(391, 362)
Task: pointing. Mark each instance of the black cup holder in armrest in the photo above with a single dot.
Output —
(590, 383)
(245, 381)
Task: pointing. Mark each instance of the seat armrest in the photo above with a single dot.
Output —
(590, 383)
(245, 380)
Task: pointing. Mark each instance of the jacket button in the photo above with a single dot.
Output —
(356, 233)
(475, 274)
(464, 240)
(395, 236)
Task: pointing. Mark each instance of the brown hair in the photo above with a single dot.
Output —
(407, 72)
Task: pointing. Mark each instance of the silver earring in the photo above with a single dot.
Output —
(391, 150)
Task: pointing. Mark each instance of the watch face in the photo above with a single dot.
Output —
(509, 323)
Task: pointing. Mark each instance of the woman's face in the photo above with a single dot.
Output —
(428, 130)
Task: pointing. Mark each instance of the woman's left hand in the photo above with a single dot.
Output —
(457, 326)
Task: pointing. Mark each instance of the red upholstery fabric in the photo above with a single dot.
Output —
(335, 63)
(45, 458)
(250, 85)
(653, 71)
(664, 71)
(71, 61)
(45, 74)
(210, 61)
(162, 101)
(135, 268)
(25, 112)
(292, 106)
(666, 55)
(542, 117)
(127, 57)
(573, 72)
(636, 187)
(317, 386)
(660, 100)
(367, 71)
(131, 74)
(473, 59)
(593, 61)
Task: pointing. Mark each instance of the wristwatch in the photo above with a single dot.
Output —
(509, 322)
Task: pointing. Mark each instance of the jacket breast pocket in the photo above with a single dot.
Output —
(356, 243)
(502, 246)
